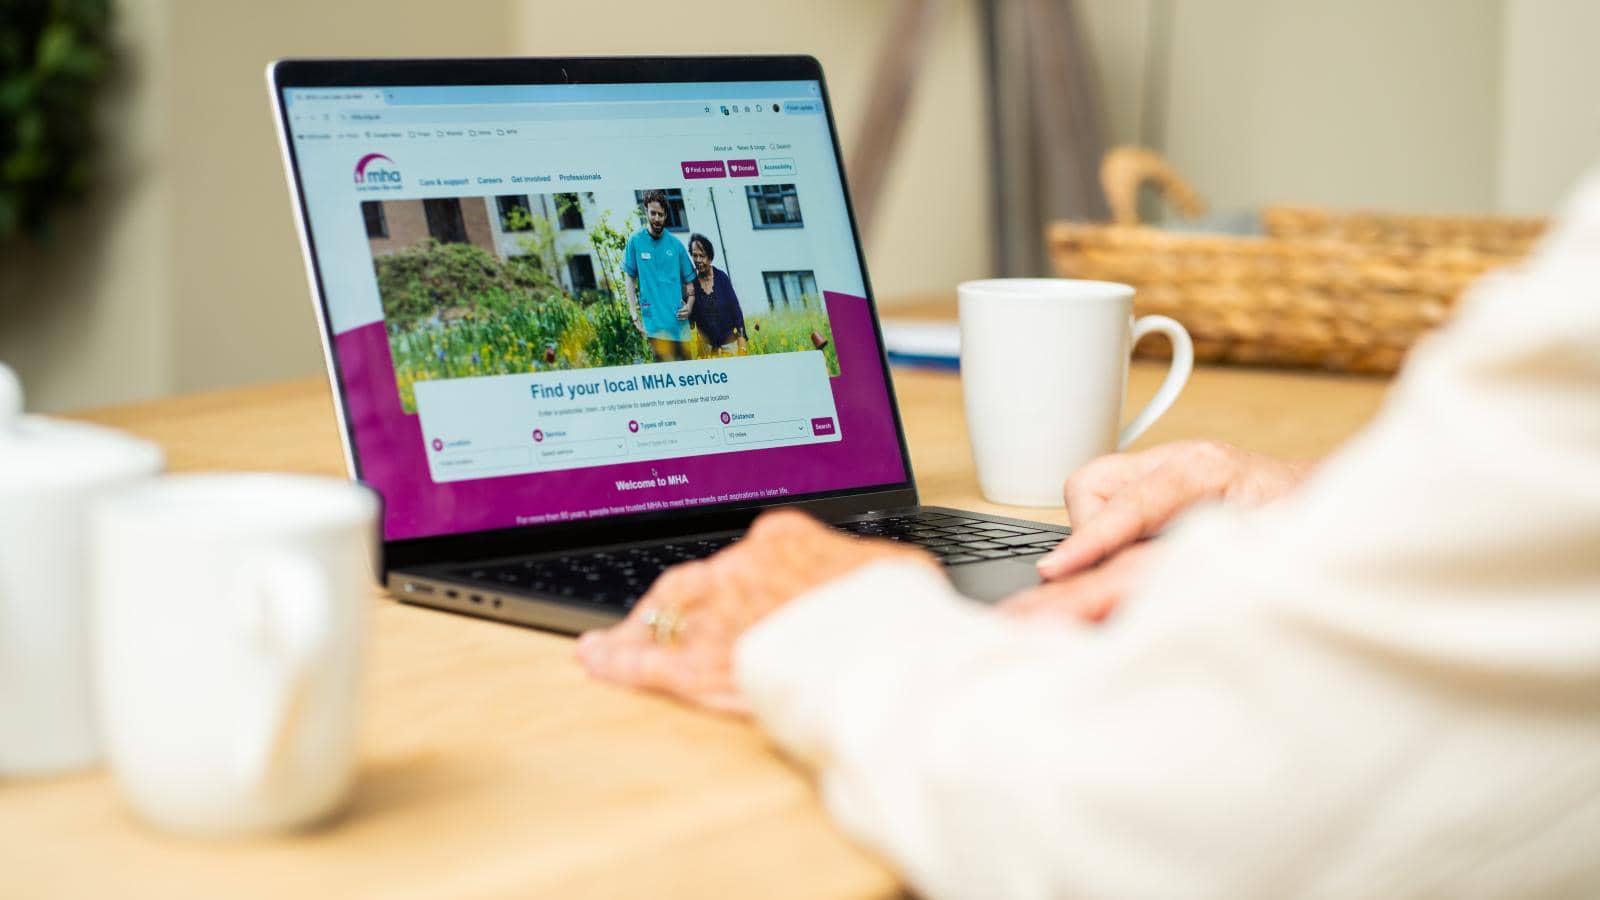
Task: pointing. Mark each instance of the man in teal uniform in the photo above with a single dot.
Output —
(660, 282)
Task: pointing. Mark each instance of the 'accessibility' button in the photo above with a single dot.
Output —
(782, 165)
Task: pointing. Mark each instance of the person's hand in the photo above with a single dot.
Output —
(1119, 499)
(683, 311)
(1090, 595)
(680, 638)
(640, 325)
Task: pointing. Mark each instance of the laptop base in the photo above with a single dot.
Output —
(999, 563)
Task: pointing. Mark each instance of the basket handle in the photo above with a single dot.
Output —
(1125, 169)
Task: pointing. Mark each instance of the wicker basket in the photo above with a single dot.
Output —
(1343, 291)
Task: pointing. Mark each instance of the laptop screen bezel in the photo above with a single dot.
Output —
(337, 73)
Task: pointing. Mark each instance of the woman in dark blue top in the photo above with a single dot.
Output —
(716, 313)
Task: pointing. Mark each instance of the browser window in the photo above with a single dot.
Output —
(554, 303)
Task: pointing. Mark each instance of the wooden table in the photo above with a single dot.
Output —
(493, 768)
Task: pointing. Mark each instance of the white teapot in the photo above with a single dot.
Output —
(50, 473)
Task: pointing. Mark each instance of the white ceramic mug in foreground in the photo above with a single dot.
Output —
(50, 472)
(1044, 370)
(230, 619)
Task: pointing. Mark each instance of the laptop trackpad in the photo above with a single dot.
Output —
(995, 579)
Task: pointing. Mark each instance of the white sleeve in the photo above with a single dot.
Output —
(1387, 684)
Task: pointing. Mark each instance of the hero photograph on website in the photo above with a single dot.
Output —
(522, 283)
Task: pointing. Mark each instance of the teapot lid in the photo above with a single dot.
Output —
(40, 453)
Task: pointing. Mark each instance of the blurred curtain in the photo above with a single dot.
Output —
(1045, 127)
(901, 53)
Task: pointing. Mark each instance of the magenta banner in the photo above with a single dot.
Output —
(390, 445)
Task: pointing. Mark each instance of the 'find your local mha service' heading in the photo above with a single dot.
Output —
(650, 381)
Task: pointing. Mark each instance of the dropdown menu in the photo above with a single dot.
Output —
(761, 432)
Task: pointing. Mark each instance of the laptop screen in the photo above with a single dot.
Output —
(558, 303)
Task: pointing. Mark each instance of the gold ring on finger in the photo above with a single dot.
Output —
(665, 625)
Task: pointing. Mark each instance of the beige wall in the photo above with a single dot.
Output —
(241, 308)
(85, 318)
(1430, 105)
(1359, 103)
(1550, 133)
(1118, 32)
(934, 216)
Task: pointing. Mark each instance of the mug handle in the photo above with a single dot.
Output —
(286, 629)
(1177, 375)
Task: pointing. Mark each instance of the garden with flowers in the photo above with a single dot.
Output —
(457, 311)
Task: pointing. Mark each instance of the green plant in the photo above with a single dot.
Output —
(432, 278)
(791, 330)
(609, 244)
(54, 55)
(538, 243)
(617, 340)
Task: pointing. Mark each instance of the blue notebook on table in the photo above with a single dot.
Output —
(923, 344)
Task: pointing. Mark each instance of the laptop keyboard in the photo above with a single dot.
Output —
(956, 540)
(621, 576)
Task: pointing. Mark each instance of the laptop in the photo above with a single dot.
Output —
(584, 319)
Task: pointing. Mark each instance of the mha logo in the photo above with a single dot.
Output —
(377, 172)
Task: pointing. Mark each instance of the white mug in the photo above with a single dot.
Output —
(50, 472)
(1044, 370)
(231, 614)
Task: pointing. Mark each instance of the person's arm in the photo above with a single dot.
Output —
(688, 300)
(635, 312)
(1119, 500)
(1382, 684)
(1303, 699)
(686, 274)
(630, 281)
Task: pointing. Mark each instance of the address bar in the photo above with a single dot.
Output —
(528, 112)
